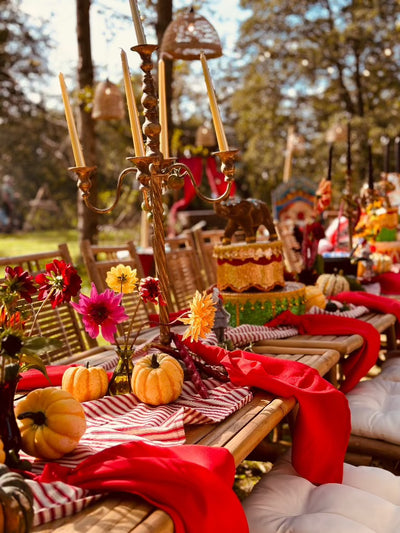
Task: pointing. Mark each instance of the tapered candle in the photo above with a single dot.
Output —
(132, 109)
(386, 154)
(330, 162)
(162, 106)
(73, 134)
(219, 129)
(397, 143)
(137, 22)
(348, 148)
(370, 168)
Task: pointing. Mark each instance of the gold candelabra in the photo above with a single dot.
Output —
(155, 174)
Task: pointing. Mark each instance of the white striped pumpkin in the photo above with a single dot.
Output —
(332, 284)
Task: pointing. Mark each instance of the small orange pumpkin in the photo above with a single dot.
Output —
(157, 379)
(314, 296)
(85, 383)
(51, 422)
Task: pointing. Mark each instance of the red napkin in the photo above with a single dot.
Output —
(389, 282)
(322, 427)
(374, 302)
(193, 484)
(33, 379)
(356, 365)
(173, 317)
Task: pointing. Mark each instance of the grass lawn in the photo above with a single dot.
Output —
(21, 243)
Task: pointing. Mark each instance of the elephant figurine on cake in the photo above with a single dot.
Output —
(247, 214)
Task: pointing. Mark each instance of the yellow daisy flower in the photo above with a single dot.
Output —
(201, 316)
(122, 278)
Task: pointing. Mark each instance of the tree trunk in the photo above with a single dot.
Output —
(87, 219)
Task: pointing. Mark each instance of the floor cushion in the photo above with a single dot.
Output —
(391, 369)
(375, 409)
(283, 502)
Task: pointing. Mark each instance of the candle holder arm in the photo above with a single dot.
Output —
(178, 171)
(85, 182)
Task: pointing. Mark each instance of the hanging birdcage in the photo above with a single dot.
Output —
(108, 103)
(188, 35)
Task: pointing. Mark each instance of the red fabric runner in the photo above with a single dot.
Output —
(193, 484)
(33, 379)
(374, 302)
(389, 282)
(322, 427)
(357, 365)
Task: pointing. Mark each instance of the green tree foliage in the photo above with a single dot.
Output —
(31, 137)
(313, 64)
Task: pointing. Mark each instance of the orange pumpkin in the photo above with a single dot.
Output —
(157, 379)
(314, 296)
(85, 383)
(51, 422)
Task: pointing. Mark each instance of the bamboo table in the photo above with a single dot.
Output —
(344, 344)
(240, 433)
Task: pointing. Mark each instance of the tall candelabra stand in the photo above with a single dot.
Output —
(155, 174)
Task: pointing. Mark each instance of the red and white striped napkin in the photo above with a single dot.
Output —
(354, 311)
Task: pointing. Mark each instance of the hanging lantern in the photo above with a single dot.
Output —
(188, 35)
(108, 103)
(205, 136)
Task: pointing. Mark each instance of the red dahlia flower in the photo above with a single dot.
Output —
(17, 280)
(59, 284)
(150, 291)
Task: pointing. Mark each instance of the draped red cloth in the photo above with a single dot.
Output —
(216, 179)
(193, 484)
(389, 282)
(357, 364)
(34, 379)
(322, 426)
(374, 302)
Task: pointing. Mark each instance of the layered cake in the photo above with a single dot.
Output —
(250, 276)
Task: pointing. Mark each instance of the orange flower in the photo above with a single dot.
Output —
(201, 317)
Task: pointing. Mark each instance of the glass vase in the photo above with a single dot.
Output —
(9, 431)
(120, 382)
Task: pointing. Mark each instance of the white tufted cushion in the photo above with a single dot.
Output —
(368, 501)
(375, 409)
(391, 369)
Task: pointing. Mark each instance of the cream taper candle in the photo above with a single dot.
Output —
(140, 36)
(76, 145)
(132, 109)
(219, 129)
(162, 108)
